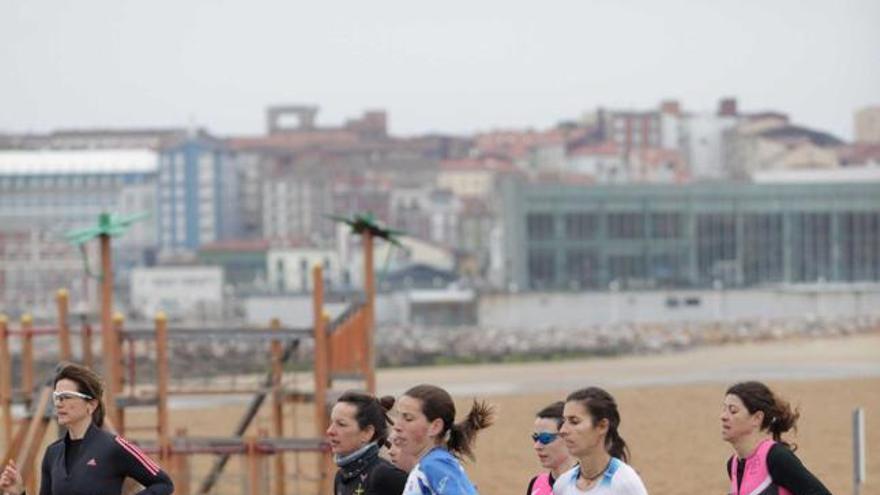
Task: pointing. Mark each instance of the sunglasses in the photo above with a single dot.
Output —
(545, 437)
(63, 396)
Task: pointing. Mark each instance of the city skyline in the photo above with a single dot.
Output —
(458, 70)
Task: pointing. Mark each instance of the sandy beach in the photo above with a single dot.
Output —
(669, 404)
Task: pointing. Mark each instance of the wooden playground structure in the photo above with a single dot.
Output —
(343, 354)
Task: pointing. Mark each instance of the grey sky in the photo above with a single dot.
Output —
(451, 66)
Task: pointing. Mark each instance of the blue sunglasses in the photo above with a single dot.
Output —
(545, 437)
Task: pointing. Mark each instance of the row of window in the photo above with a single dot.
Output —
(767, 252)
(623, 225)
(67, 181)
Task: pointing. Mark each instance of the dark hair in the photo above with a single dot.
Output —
(778, 414)
(87, 382)
(370, 411)
(554, 412)
(601, 405)
(437, 403)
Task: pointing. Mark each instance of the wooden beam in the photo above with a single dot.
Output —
(62, 302)
(5, 383)
(27, 359)
(277, 404)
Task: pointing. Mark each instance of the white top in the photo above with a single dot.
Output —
(618, 479)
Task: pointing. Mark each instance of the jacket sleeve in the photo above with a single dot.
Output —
(787, 471)
(138, 466)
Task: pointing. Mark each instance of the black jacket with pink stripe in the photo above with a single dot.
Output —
(102, 463)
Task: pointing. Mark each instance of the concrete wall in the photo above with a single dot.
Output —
(542, 310)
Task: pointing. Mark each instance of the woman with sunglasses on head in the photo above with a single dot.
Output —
(590, 432)
(88, 460)
(550, 449)
(753, 420)
(426, 429)
(358, 428)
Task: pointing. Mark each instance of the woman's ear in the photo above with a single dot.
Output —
(435, 428)
(757, 419)
(602, 426)
(367, 434)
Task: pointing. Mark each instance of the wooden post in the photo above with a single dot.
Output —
(180, 467)
(88, 358)
(369, 364)
(322, 375)
(62, 300)
(5, 382)
(255, 465)
(162, 386)
(108, 335)
(27, 359)
(26, 458)
(277, 404)
(115, 372)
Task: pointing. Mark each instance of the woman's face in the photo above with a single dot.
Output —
(69, 409)
(344, 434)
(582, 437)
(551, 455)
(736, 421)
(398, 456)
(412, 428)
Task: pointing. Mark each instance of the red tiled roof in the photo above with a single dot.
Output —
(607, 148)
(859, 153)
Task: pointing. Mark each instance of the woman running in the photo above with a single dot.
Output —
(753, 420)
(88, 459)
(590, 432)
(358, 427)
(426, 429)
(550, 449)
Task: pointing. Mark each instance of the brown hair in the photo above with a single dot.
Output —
(554, 412)
(371, 411)
(87, 382)
(779, 417)
(437, 403)
(601, 405)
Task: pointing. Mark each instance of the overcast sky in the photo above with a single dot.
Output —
(446, 66)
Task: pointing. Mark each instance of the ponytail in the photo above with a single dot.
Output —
(615, 445)
(463, 433)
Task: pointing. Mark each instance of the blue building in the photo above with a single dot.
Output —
(197, 200)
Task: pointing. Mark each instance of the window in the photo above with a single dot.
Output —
(666, 225)
(539, 226)
(581, 225)
(582, 269)
(541, 268)
(626, 225)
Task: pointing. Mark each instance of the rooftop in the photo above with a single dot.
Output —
(46, 162)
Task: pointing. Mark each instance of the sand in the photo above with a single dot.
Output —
(669, 405)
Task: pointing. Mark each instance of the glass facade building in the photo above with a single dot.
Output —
(559, 237)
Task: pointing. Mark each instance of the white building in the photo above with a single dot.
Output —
(703, 144)
(182, 292)
(290, 269)
(46, 193)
